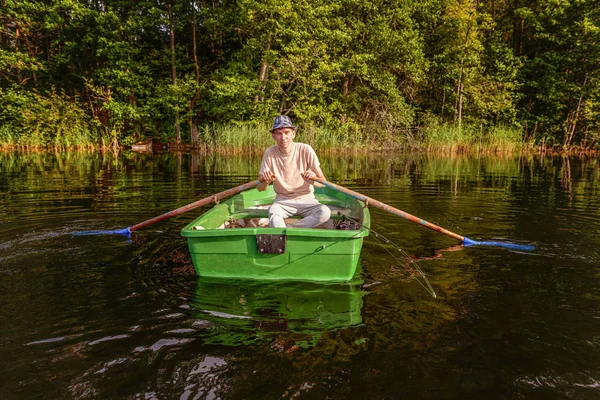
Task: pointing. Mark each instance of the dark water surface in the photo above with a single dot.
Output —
(106, 317)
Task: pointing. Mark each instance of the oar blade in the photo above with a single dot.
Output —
(506, 245)
(124, 232)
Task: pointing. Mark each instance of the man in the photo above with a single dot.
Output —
(292, 167)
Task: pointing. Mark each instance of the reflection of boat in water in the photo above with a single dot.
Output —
(248, 312)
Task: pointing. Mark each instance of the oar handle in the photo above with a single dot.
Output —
(390, 209)
(196, 204)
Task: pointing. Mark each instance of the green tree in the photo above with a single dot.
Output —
(559, 45)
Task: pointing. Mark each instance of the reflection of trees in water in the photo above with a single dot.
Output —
(498, 171)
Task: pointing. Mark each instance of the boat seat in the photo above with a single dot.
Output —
(337, 213)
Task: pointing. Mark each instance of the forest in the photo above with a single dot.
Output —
(350, 73)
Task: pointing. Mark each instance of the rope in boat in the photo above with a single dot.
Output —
(411, 270)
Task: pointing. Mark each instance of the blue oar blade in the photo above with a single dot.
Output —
(124, 232)
(507, 245)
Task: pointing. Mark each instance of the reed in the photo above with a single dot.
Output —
(57, 121)
(237, 138)
(8, 137)
(504, 139)
(253, 137)
(472, 139)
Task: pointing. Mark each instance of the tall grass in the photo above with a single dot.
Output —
(35, 121)
(234, 138)
(255, 137)
(8, 137)
(503, 139)
(471, 138)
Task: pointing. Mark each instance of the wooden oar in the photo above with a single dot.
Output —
(215, 197)
(385, 207)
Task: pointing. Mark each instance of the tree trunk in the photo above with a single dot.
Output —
(32, 52)
(460, 100)
(585, 139)
(262, 76)
(90, 103)
(458, 103)
(194, 44)
(193, 126)
(461, 78)
(194, 134)
(569, 139)
(173, 69)
(522, 33)
(443, 104)
(346, 85)
(4, 35)
(17, 34)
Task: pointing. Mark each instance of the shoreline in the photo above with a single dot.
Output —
(574, 150)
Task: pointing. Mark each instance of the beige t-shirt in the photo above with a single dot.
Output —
(287, 168)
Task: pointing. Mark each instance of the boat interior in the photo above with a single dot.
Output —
(257, 216)
(249, 211)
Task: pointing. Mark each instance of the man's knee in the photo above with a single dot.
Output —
(277, 210)
(276, 219)
(277, 215)
(324, 213)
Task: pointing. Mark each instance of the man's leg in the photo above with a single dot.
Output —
(278, 212)
(314, 213)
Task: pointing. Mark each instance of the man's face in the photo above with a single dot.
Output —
(284, 138)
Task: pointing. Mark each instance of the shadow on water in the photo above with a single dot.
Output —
(104, 317)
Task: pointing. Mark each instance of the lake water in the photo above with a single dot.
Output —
(107, 317)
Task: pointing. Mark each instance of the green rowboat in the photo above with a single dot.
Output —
(233, 240)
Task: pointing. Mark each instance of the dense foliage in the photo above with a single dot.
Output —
(114, 71)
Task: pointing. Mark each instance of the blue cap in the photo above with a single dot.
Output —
(282, 121)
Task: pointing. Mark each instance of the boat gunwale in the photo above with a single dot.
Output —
(187, 231)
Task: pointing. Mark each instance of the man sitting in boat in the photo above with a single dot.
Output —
(292, 167)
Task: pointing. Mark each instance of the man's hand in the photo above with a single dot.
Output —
(309, 175)
(267, 177)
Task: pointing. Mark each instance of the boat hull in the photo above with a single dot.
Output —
(308, 254)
